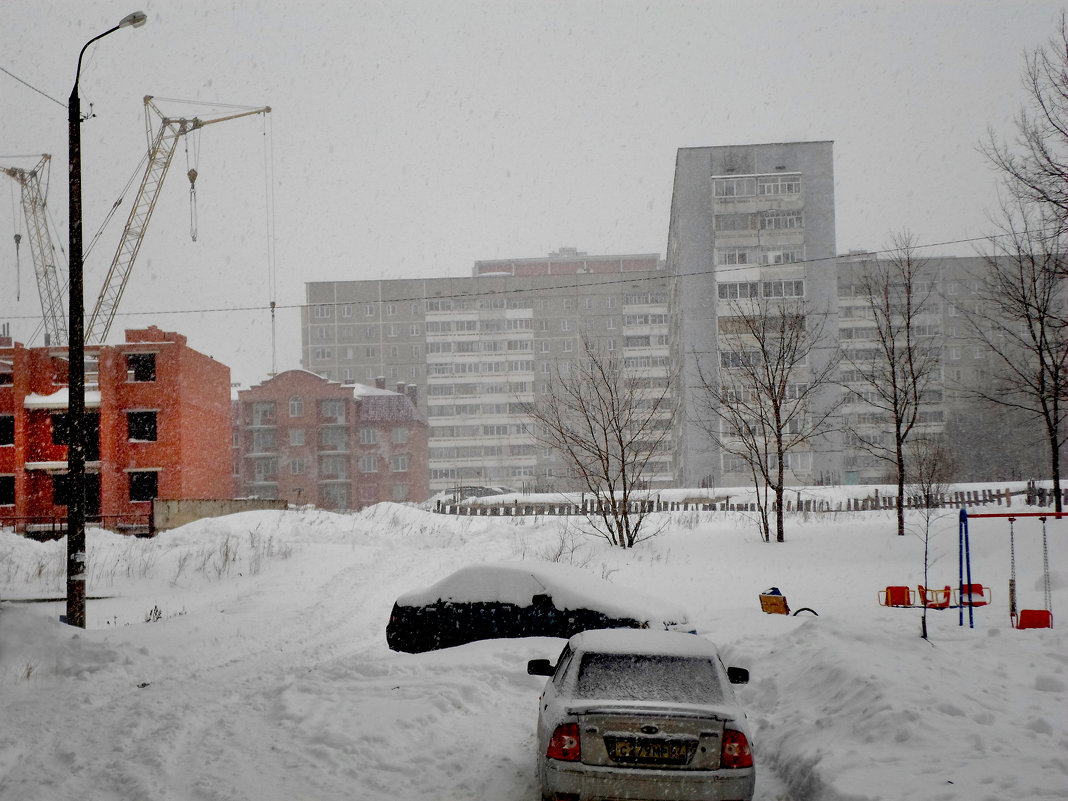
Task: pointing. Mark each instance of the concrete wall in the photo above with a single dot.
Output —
(171, 514)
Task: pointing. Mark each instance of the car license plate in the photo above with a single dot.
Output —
(649, 751)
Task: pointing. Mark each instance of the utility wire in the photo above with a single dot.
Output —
(658, 276)
(34, 88)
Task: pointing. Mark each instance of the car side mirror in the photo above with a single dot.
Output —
(737, 675)
(540, 667)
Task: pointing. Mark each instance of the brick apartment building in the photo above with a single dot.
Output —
(158, 426)
(308, 440)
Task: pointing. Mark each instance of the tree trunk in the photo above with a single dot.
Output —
(901, 490)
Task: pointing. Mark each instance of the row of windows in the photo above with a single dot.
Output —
(143, 486)
(755, 255)
(140, 427)
(331, 468)
(468, 409)
(797, 461)
(323, 334)
(771, 220)
(475, 388)
(264, 439)
(758, 185)
(741, 290)
(325, 311)
(489, 430)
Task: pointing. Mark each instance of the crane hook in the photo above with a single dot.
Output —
(193, 203)
(18, 269)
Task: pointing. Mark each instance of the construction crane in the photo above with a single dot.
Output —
(49, 286)
(160, 153)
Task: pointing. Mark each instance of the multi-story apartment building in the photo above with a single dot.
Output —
(748, 222)
(308, 440)
(158, 426)
(480, 348)
(950, 292)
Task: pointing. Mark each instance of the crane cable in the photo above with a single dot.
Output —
(268, 170)
(191, 171)
(15, 223)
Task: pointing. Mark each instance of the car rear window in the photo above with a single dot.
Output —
(631, 677)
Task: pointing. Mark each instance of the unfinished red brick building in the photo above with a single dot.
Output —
(307, 440)
(158, 426)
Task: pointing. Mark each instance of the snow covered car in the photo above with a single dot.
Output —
(642, 715)
(519, 599)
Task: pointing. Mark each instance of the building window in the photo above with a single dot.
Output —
(369, 310)
(333, 468)
(7, 490)
(736, 290)
(263, 441)
(296, 406)
(265, 469)
(565, 325)
(144, 485)
(346, 310)
(735, 187)
(734, 256)
(781, 220)
(332, 439)
(332, 410)
(141, 426)
(368, 436)
(7, 429)
(322, 311)
(569, 345)
(391, 309)
(369, 463)
(784, 289)
(770, 257)
(296, 436)
(263, 414)
(779, 185)
(399, 435)
(400, 463)
(400, 492)
(296, 467)
(141, 367)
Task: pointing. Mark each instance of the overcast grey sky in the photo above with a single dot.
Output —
(409, 139)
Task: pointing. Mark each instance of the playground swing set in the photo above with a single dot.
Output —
(968, 595)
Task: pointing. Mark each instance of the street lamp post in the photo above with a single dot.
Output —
(76, 353)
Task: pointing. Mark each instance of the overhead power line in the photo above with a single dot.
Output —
(31, 86)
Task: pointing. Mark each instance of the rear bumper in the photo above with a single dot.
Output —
(591, 782)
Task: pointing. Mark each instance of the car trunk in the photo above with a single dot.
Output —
(651, 737)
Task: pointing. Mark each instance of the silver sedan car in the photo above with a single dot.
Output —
(641, 714)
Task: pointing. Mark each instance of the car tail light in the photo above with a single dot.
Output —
(736, 753)
(564, 744)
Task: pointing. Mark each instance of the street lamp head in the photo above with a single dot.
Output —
(134, 20)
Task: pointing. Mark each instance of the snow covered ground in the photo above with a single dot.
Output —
(245, 658)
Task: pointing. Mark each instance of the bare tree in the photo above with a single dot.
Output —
(766, 398)
(609, 422)
(1020, 318)
(899, 359)
(931, 467)
(1035, 164)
